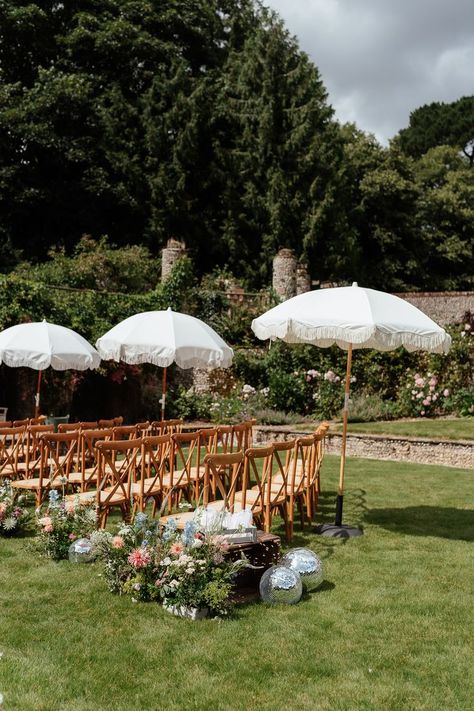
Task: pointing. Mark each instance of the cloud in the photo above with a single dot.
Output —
(381, 59)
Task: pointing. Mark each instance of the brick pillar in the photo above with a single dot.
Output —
(284, 274)
(170, 254)
(303, 279)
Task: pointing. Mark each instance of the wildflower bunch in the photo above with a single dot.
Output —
(186, 568)
(61, 523)
(13, 517)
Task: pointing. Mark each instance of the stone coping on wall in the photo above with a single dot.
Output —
(400, 448)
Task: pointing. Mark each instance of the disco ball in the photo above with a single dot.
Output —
(81, 551)
(307, 564)
(280, 585)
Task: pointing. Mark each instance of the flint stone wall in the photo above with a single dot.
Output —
(444, 307)
(421, 450)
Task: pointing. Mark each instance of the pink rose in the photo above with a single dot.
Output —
(72, 536)
(48, 528)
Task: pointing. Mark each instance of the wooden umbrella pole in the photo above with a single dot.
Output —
(163, 396)
(37, 396)
(340, 490)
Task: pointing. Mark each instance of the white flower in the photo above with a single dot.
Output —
(166, 561)
(9, 524)
(248, 389)
(197, 543)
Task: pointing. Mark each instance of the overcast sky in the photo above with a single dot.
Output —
(381, 59)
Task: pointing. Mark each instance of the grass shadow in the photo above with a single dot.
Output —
(442, 522)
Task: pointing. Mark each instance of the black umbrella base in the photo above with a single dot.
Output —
(343, 531)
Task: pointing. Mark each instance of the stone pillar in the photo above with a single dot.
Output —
(284, 274)
(303, 279)
(173, 251)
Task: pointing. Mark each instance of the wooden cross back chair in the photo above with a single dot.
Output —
(117, 462)
(85, 474)
(222, 473)
(12, 450)
(153, 482)
(58, 452)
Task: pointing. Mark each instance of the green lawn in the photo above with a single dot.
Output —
(462, 428)
(390, 629)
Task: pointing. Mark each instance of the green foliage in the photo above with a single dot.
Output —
(440, 124)
(94, 264)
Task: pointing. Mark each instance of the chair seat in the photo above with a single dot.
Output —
(251, 496)
(150, 486)
(180, 518)
(35, 484)
(88, 497)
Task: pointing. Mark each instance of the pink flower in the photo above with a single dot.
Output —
(70, 507)
(139, 558)
(117, 542)
(45, 521)
(446, 392)
(426, 401)
(433, 381)
(72, 536)
(176, 548)
(217, 558)
(420, 382)
(48, 528)
(3, 508)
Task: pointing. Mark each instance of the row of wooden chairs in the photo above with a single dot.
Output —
(71, 458)
(278, 477)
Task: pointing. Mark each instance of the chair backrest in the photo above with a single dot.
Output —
(107, 423)
(40, 420)
(117, 464)
(162, 427)
(284, 464)
(88, 463)
(125, 432)
(12, 449)
(222, 473)
(184, 452)
(302, 472)
(258, 465)
(118, 421)
(69, 427)
(224, 438)
(59, 454)
(22, 423)
(155, 462)
(33, 446)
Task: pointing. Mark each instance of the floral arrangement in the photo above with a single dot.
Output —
(61, 523)
(182, 570)
(13, 517)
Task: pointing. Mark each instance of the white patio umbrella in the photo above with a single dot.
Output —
(351, 317)
(41, 345)
(163, 338)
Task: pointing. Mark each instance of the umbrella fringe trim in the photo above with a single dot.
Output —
(370, 337)
(28, 363)
(161, 362)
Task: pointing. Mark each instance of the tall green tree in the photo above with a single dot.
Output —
(439, 123)
(75, 82)
(277, 149)
(445, 214)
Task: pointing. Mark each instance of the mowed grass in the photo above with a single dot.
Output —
(462, 428)
(391, 627)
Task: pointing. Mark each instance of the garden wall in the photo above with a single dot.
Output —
(421, 450)
(444, 307)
